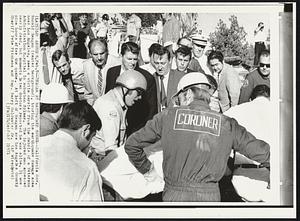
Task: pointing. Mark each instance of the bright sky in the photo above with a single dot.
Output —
(208, 22)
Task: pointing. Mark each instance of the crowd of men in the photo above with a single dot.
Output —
(175, 128)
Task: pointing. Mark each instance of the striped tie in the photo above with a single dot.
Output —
(100, 82)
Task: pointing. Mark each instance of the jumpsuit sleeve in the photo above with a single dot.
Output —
(144, 137)
(245, 143)
(246, 90)
(233, 86)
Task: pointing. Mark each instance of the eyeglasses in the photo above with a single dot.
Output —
(264, 65)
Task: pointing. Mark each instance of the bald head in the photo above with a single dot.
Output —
(98, 51)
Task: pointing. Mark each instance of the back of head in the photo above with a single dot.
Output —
(55, 93)
(260, 91)
(131, 47)
(199, 85)
(75, 115)
(132, 80)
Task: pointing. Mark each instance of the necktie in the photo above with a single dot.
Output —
(45, 67)
(100, 81)
(68, 83)
(163, 96)
(62, 26)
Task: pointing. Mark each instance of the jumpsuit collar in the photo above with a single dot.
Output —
(197, 103)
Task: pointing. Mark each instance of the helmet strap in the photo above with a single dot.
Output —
(124, 94)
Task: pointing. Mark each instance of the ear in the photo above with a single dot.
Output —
(86, 130)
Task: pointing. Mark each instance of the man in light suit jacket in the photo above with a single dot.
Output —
(100, 61)
(170, 78)
(144, 109)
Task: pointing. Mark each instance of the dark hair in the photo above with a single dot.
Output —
(153, 48)
(215, 55)
(97, 40)
(105, 17)
(162, 51)
(50, 108)
(130, 46)
(185, 51)
(75, 115)
(260, 90)
(264, 53)
(57, 54)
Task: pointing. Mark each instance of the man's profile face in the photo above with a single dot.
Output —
(131, 97)
(162, 64)
(129, 60)
(182, 62)
(62, 65)
(99, 54)
(264, 65)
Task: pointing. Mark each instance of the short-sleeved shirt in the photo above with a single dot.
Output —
(112, 111)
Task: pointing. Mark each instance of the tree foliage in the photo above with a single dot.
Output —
(231, 41)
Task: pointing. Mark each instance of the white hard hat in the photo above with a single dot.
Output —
(190, 79)
(55, 93)
(132, 80)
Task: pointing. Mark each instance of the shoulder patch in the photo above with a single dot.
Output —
(246, 83)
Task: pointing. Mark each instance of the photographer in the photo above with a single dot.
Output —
(259, 39)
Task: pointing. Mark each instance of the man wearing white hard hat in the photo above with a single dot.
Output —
(107, 147)
(53, 97)
(196, 144)
(199, 47)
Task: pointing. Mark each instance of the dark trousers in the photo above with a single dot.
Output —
(258, 48)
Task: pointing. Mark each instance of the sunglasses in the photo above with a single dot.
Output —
(264, 65)
(140, 92)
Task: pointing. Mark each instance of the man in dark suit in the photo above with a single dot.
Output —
(146, 108)
(165, 78)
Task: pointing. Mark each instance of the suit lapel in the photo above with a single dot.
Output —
(171, 81)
